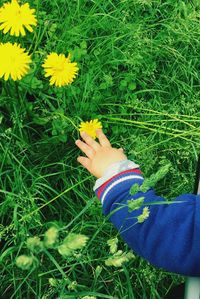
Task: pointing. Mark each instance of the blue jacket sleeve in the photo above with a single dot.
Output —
(169, 238)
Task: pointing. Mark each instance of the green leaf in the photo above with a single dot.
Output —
(40, 120)
(132, 86)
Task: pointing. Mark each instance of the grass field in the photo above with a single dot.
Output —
(139, 75)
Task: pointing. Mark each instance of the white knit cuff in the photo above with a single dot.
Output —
(114, 169)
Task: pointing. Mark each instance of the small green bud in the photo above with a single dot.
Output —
(25, 262)
(130, 255)
(155, 177)
(51, 237)
(75, 241)
(54, 282)
(118, 259)
(72, 286)
(72, 242)
(113, 245)
(119, 252)
(135, 204)
(145, 214)
(145, 186)
(64, 250)
(34, 244)
(134, 189)
(98, 271)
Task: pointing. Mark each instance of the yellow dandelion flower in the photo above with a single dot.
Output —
(61, 70)
(90, 127)
(15, 18)
(14, 61)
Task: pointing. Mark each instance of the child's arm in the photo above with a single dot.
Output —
(170, 237)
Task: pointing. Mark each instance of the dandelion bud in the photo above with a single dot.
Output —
(51, 237)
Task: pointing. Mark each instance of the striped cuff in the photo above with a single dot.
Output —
(126, 177)
(114, 169)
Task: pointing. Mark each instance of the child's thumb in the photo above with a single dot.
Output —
(121, 149)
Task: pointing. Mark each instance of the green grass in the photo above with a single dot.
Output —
(139, 76)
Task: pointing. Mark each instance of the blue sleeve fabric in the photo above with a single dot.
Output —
(169, 238)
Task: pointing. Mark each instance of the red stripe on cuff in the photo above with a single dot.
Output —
(135, 170)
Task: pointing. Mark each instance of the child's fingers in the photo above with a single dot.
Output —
(85, 162)
(102, 138)
(95, 145)
(85, 148)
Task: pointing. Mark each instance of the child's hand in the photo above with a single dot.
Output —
(100, 156)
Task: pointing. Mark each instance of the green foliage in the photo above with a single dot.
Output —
(51, 237)
(34, 244)
(113, 245)
(119, 258)
(150, 182)
(136, 203)
(65, 247)
(139, 74)
(26, 262)
(71, 243)
(145, 214)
